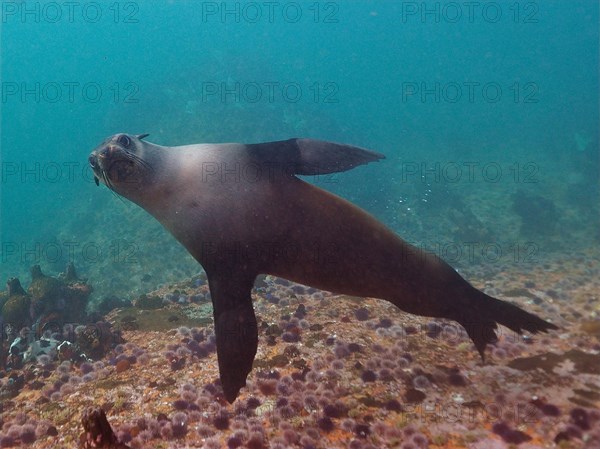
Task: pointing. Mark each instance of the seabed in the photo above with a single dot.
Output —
(331, 372)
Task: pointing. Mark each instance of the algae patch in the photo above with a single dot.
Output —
(582, 361)
(132, 318)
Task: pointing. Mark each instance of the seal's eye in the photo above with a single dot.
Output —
(124, 141)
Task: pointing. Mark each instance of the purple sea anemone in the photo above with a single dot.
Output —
(550, 410)
(184, 331)
(86, 368)
(195, 416)
(14, 432)
(145, 435)
(362, 430)
(180, 404)
(179, 424)
(421, 382)
(325, 424)
(75, 380)
(580, 418)
(290, 337)
(20, 418)
(6, 441)
(393, 405)
(456, 379)
(221, 421)
(205, 431)
(166, 431)
(67, 389)
(361, 314)
(341, 351)
(252, 402)
(64, 368)
(255, 441)
(234, 442)
(336, 410)
(354, 347)
(97, 365)
(509, 435)
(420, 440)
(44, 359)
(283, 388)
(189, 396)
(386, 374)
(499, 353)
(368, 376)
(124, 436)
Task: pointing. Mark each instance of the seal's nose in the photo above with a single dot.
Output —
(93, 160)
(104, 152)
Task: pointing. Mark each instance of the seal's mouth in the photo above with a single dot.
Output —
(105, 163)
(115, 162)
(93, 161)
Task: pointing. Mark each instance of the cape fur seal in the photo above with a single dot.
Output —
(241, 211)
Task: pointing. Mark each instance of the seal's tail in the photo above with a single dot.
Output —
(484, 313)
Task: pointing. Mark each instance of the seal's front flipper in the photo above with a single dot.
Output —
(312, 157)
(235, 328)
(319, 157)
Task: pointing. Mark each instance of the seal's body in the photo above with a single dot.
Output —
(241, 211)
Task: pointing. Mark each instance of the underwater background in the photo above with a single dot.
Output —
(487, 113)
(488, 118)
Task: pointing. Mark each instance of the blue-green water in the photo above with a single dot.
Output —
(495, 105)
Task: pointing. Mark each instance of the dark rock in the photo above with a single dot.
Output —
(110, 303)
(16, 309)
(509, 435)
(97, 431)
(580, 418)
(413, 396)
(145, 302)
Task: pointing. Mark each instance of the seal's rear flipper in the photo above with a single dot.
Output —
(312, 157)
(236, 330)
(484, 313)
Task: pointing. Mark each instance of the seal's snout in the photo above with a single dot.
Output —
(101, 158)
(97, 159)
(106, 152)
(93, 161)
(114, 161)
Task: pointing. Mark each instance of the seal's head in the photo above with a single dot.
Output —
(120, 162)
